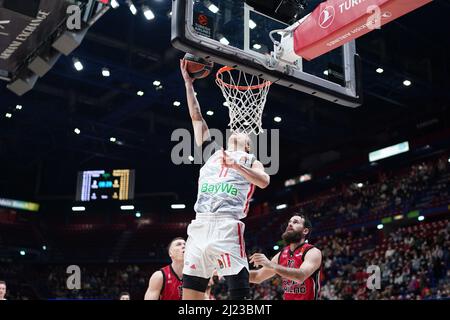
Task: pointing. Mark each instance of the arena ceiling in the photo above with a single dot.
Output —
(40, 153)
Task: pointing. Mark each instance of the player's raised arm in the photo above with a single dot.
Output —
(201, 130)
(255, 175)
(311, 263)
(155, 285)
(264, 273)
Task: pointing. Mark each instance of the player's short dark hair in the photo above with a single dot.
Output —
(307, 223)
(125, 294)
(173, 240)
(2, 282)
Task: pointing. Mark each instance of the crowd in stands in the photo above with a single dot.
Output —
(423, 184)
(413, 259)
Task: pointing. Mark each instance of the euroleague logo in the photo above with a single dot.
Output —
(203, 20)
(326, 17)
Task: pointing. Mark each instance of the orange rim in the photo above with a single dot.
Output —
(241, 88)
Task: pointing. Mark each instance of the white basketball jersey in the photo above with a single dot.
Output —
(224, 190)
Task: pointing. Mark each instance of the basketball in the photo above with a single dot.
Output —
(198, 68)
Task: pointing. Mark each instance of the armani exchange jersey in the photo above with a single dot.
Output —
(223, 190)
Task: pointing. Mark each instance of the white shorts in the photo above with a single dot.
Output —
(215, 243)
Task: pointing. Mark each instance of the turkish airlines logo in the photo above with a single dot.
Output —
(326, 17)
(2, 26)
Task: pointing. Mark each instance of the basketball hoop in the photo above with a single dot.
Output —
(246, 96)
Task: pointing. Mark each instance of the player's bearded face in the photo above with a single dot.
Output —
(294, 231)
(292, 236)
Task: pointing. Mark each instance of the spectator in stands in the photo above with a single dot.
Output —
(2, 290)
(124, 296)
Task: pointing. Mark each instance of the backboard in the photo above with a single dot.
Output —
(232, 33)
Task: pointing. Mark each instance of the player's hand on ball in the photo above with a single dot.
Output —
(183, 67)
(227, 161)
(259, 259)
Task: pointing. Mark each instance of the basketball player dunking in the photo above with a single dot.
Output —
(166, 284)
(298, 263)
(225, 186)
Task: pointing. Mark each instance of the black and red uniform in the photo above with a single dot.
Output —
(172, 285)
(293, 290)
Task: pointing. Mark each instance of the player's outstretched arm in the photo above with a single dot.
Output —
(201, 130)
(263, 274)
(312, 262)
(255, 175)
(155, 285)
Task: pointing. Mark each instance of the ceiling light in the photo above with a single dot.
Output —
(106, 72)
(224, 41)
(127, 207)
(213, 8)
(149, 15)
(77, 64)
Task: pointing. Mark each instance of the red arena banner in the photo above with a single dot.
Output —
(336, 22)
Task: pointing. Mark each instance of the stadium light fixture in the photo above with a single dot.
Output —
(127, 207)
(148, 13)
(380, 226)
(281, 206)
(277, 119)
(80, 208)
(276, 247)
(213, 8)
(224, 41)
(106, 72)
(407, 83)
(8, 115)
(132, 7)
(178, 206)
(177, 103)
(19, 107)
(77, 131)
(210, 112)
(77, 64)
(114, 4)
(420, 218)
(138, 214)
(22, 252)
(257, 46)
(380, 70)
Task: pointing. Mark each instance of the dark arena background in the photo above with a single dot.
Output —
(88, 179)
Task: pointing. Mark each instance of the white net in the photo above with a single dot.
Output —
(245, 97)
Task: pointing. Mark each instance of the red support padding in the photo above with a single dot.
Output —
(336, 22)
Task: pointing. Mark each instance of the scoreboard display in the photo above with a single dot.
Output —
(96, 185)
